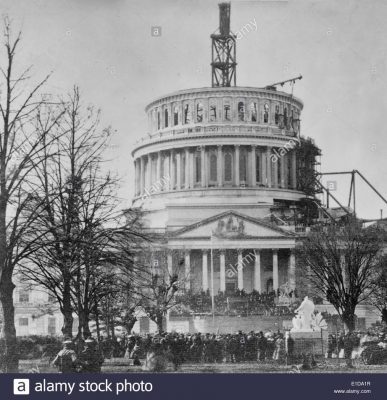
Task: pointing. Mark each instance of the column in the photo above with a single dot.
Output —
(205, 270)
(257, 272)
(169, 263)
(240, 270)
(187, 263)
(236, 161)
(142, 175)
(203, 166)
(167, 173)
(172, 170)
(253, 166)
(275, 270)
(344, 270)
(222, 271)
(263, 168)
(283, 165)
(158, 168)
(136, 185)
(268, 167)
(178, 170)
(293, 170)
(274, 178)
(191, 169)
(149, 172)
(220, 166)
(292, 270)
(187, 168)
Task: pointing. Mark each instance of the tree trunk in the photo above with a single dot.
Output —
(11, 356)
(159, 322)
(67, 309)
(11, 352)
(349, 320)
(97, 323)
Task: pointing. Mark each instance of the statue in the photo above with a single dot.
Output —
(303, 320)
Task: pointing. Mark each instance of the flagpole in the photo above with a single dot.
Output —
(212, 282)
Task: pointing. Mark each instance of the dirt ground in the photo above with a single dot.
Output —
(120, 365)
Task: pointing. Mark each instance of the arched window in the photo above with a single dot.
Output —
(258, 168)
(176, 116)
(187, 114)
(228, 167)
(241, 111)
(243, 166)
(212, 112)
(166, 118)
(227, 112)
(253, 112)
(213, 168)
(158, 119)
(198, 175)
(266, 113)
(276, 115)
(199, 112)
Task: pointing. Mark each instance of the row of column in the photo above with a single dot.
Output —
(257, 284)
(176, 169)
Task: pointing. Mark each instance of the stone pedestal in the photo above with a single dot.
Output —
(310, 342)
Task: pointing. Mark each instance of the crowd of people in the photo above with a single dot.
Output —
(237, 303)
(159, 349)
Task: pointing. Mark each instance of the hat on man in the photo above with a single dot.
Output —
(67, 341)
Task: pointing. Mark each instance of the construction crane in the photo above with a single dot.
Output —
(352, 191)
(223, 52)
(282, 83)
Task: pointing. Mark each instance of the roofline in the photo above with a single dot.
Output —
(208, 89)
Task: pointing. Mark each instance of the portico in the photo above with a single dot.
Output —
(245, 254)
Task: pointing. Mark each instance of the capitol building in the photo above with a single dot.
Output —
(215, 163)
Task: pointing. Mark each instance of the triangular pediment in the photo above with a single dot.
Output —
(231, 225)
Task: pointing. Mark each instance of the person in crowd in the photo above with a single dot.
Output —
(91, 358)
(66, 360)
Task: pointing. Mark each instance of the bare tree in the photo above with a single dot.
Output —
(22, 111)
(342, 262)
(75, 198)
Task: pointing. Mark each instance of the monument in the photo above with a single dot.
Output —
(309, 329)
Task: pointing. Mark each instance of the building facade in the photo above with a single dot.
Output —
(210, 175)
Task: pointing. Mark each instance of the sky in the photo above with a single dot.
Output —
(106, 48)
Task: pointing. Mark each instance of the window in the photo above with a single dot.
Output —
(23, 321)
(227, 112)
(253, 112)
(241, 111)
(24, 296)
(176, 116)
(257, 168)
(199, 112)
(266, 113)
(187, 114)
(213, 168)
(158, 120)
(51, 326)
(198, 175)
(228, 167)
(276, 115)
(212, 113)
(166, 118)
